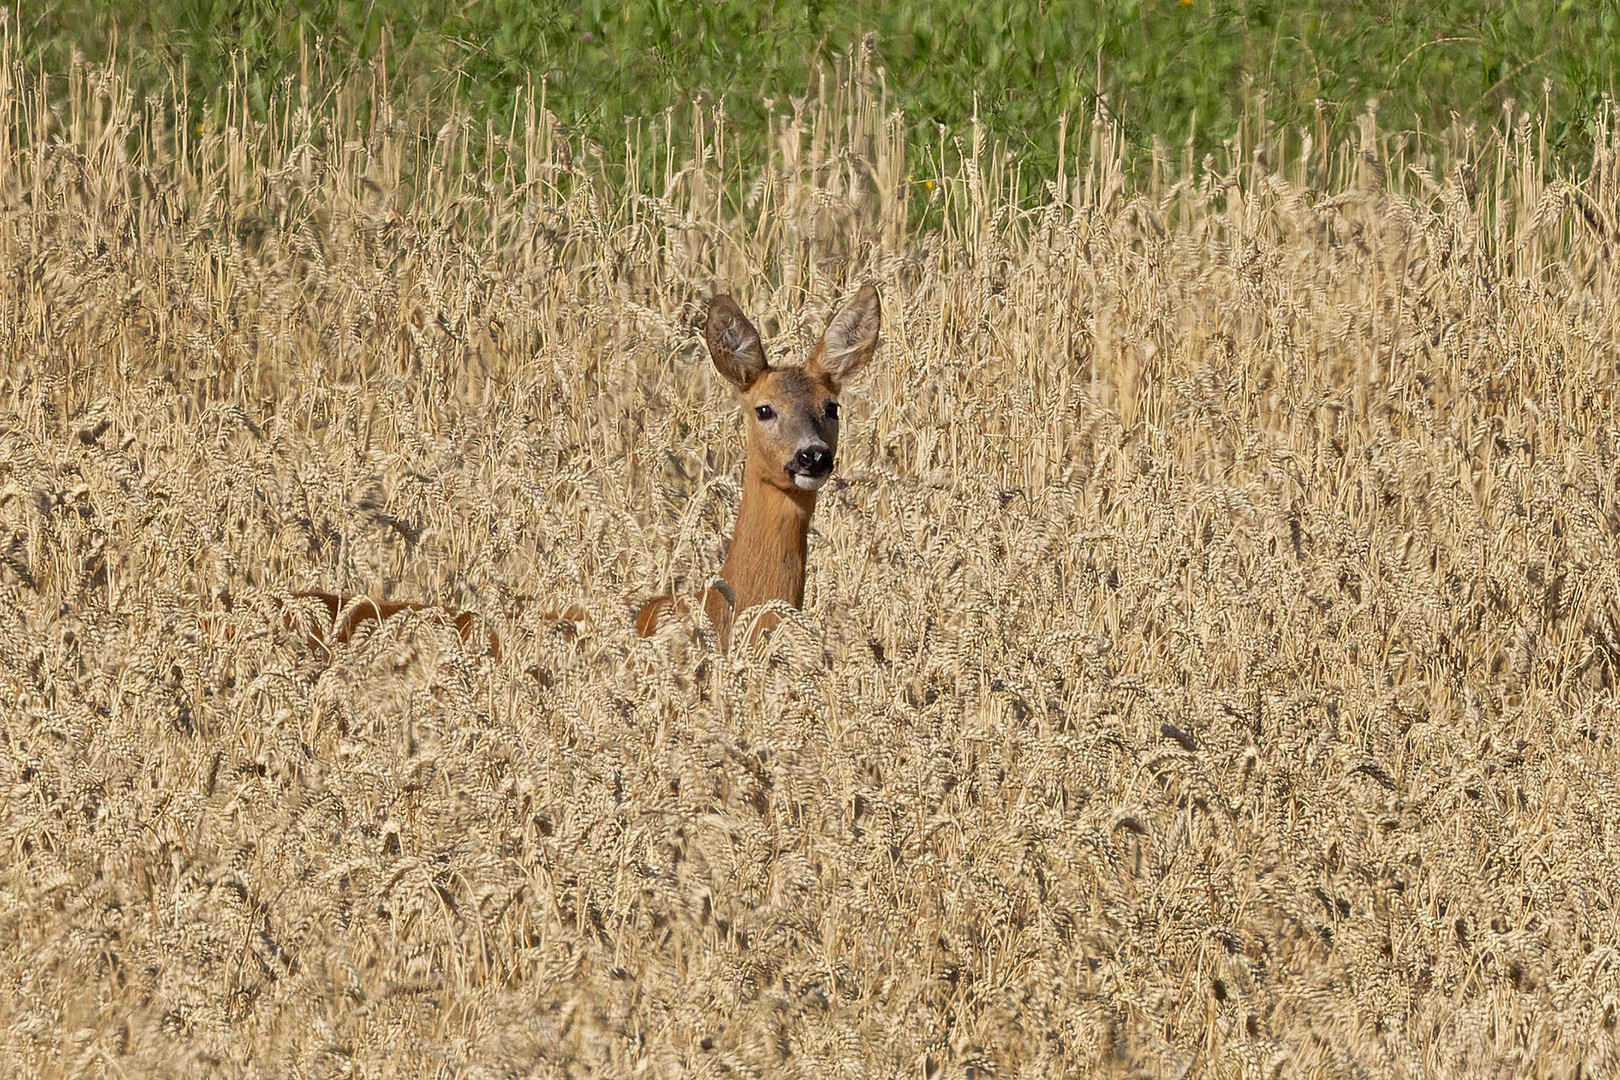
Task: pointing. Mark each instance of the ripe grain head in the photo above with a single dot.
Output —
(1207, 662)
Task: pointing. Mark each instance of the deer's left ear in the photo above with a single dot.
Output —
(851, 338)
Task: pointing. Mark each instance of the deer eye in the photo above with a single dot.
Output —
(764, 412)
(832, 410)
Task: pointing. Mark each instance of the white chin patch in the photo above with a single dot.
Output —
(811, 483)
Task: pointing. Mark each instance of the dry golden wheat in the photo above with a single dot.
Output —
(1207, 665)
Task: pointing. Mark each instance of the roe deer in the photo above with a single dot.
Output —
(355, 611)
(347, 614)
(792, 439)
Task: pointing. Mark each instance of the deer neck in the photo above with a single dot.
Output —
(770, 543)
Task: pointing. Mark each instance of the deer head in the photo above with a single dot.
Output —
(793, 411)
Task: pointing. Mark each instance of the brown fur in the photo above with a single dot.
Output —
(769, 545)
(356, 611)
(770, 542)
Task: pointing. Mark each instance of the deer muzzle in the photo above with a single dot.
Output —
(811, 467)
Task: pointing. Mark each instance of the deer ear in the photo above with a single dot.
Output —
(734, 343)
(851, 337)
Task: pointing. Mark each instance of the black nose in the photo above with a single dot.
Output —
(815, 461)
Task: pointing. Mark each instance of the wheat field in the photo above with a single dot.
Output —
(1208, 660)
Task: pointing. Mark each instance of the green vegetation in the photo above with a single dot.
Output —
(1166, 68)
(1207, 665)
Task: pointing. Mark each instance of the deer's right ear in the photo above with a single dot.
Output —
(734, 343)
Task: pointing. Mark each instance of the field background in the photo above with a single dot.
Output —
(1208, 660)
(1185, 73)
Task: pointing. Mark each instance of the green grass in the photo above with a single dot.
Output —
(1179, 71)
(1208, 665)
